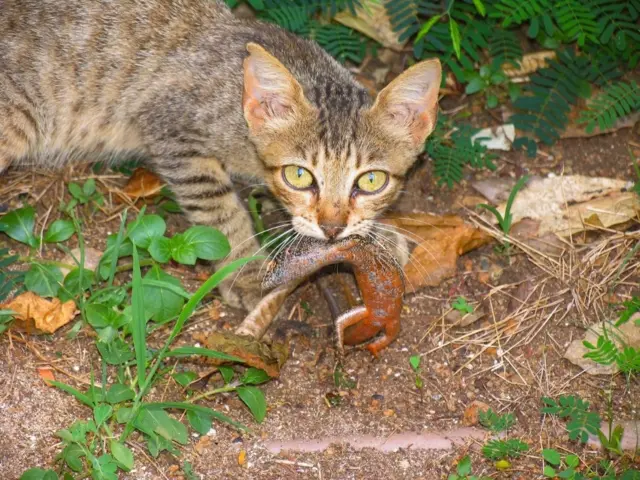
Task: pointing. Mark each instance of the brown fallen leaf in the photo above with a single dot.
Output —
(372, 20)
(254, 353)
(242, 458)
(472, 412)
(36, 313)
(46, 374)
(442, 239)
(142, 184)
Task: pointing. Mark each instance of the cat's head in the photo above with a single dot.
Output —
(335, 159)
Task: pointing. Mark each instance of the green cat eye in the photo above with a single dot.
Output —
(372, 182)
(297, 177)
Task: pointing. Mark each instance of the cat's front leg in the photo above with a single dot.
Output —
(205, 193)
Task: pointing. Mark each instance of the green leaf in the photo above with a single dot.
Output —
(145, 229)
(164, 425)
(185, 378)
(39, 474)
(115, 352)
(254, 376)
(122, 454)
(83, 398)
(254, 399)
(551, 456)
(572, 460)
(101, 316)
(43, 279)
(18, 224)
(549, 471)
(414, 360)
(161, 304)
(89, 187)
(124, 414)
(426, 26)
(492, 100)
(181, 251)
(197, 408)
(455, 35)
(464, 466)
(72, 455)
(119, 393)
(160, 249)
(227, 373)
(200, 422)
(101, 413)
(480, 7)
(59, 231)
(104, 468)
(475, 85)
(207, 242)
(71, 284)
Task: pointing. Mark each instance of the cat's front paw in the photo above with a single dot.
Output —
(241, 294)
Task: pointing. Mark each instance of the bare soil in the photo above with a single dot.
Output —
(306, 406)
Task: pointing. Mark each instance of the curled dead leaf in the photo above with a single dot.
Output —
(142, 184)
(440, 241)
(46, 374)
(254, 353)
(36, 313)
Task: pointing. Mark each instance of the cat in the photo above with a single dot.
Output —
(205, 97)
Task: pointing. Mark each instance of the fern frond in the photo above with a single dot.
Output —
(291, 15)
(504, 47)
(616, 101)
(576, 20)
(548, 98)
(341, 42)
(473, 34)
(518, 11)
(331, 7)
(617, 21)
(407, 16)
(9, 280)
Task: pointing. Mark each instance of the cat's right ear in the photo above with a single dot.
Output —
(271, 96)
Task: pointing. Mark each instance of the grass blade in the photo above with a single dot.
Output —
(139, 323)
(72, 391)
(116, 248)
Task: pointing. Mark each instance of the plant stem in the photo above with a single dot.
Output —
(215, 391)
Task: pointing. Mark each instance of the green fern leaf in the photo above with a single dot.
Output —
(406, 16)
(616, 101)
(617, 21)
(518, 11)
(10, 281)
(341, 42)
(576, 20)
(544, 108)
(291, 15)
(504, 47)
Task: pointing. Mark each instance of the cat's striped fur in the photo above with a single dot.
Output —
(204, 97)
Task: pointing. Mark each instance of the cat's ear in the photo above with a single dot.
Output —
(271, 95)
(409, 104)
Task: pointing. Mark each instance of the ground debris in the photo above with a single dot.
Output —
(36, 313)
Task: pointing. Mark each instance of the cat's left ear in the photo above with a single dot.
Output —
(271, 96)
(409, 104)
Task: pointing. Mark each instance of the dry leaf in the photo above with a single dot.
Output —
(442, 240)
(45, 316)
(471, 413)
(531, 62)
(570, 204)
(372, 20)
(46, 374)
(142, 184)
(242, 458)
(252, 352)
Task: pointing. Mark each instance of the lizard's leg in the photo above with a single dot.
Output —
(347, 319)
(391, 331)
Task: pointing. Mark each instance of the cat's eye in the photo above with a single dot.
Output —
(297, 177)
(372, 182)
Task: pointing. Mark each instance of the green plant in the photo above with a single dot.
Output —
(617, 100)
(463, 471)
(503, 449)
(556, 465)
(460, 304)
(9, 280)
(581, 421)
(414, 361)
(495, 422)
(84, 195)
(506, 221)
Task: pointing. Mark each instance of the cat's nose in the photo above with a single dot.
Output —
(331, 230)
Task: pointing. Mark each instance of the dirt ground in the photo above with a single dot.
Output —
(314, 428)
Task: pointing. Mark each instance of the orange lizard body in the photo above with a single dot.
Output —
(379, 280)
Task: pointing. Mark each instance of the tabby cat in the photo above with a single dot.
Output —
(205, 97)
